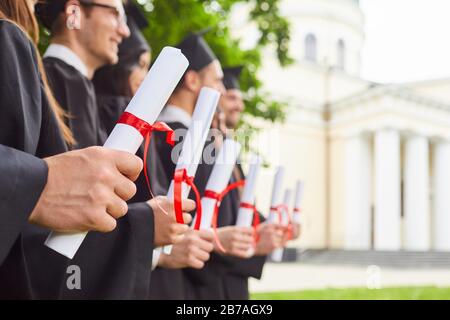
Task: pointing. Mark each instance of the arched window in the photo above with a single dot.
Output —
(341, 54)
(311, 47)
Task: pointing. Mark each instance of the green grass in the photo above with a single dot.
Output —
(403, 293)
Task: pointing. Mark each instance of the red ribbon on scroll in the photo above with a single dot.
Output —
(179, 177)
(146, 129)
(256, 219)
(218, 197)
(279, 210)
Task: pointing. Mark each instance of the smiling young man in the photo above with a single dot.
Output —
(85, 36)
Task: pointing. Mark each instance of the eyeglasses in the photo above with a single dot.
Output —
(119, 14)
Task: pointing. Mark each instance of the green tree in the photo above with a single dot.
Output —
(171, 20)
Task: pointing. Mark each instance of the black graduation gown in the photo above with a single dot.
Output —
(223, 277)
(27, 124)
(20, 174)
(32, 271)
(76, 95)
(167, 284)
(114, 265)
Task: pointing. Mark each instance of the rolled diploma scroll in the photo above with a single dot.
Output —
(245, 215)
(195, 139)
(296, 218)
(277, 254)
(273, 216)
(285, 213)
(147, 104)
(219, 178)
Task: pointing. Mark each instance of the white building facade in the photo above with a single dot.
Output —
(375, 158)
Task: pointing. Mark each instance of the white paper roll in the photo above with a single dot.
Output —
(147, 104)
(277, 184)
(285, 213)
(245, 215)
(219, 178)
(277, 254)
(296, 218)
(194, 141)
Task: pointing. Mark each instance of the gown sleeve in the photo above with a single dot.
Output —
(22, 176)
(116, 265)
(20, 90)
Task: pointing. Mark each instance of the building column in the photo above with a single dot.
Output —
(441, 198)
(387, 190)
(358, 193)
(416, 226)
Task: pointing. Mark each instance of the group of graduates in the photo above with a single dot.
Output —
(55, 113)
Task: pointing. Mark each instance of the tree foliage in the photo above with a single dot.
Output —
(171, 20)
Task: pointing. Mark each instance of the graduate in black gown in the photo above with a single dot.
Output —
(235, 279)
(204, 70)
(27, 123)
(32, 123)
(225, 276)
(115, 85)
(114, 265)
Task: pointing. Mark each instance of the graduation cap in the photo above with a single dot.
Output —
(47, 11)
(231, 77)
(133, 12)
(135, 44)
(196, 50)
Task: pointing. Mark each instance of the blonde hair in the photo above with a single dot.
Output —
(19, 13)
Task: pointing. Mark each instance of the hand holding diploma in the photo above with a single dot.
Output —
(236, 241)
(192, 252)
(284, 221)
(140, 115)
(246, 212)
(271, 237)
(218, 181)
(87, 180)
(192, 151)
(167, 229)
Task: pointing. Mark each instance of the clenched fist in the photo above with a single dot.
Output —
(192, 252)
(167, 229)
(237, 241)
(87, 190)
(270, 236)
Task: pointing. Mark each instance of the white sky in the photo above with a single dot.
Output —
(406, 40)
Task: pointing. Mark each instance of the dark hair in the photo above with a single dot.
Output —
(114, 79)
